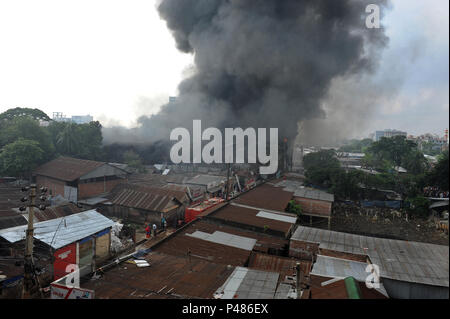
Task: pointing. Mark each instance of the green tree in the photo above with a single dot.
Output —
(357, 146)
(67, 140)
(20, 158)
(346, 184)
(321, 167)
(90, 136)
(393, 150)
(438, 176)
(415, 162)
(27, 128)
(294, 207)
(35, 114)
(418, 206)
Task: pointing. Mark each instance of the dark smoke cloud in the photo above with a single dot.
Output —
(263, 63)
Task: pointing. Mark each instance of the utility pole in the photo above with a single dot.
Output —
(228, 181)
(298, 279)
(30, 280)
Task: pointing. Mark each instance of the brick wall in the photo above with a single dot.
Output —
(302, 250)
(316, 207)
(55, 187)
(93, 189)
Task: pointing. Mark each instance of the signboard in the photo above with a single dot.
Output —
(63, 292)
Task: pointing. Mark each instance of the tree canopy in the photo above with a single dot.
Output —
(22, 135)
(20, 157)
(395, 151)
(35, 114)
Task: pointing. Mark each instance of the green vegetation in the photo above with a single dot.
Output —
(396, 151)
(20, 112)
(438, 176)
(418, 206)
(24, 144)
(356, 146)
(294, 208)
(323, 170)
(430, 148)
(20, 157)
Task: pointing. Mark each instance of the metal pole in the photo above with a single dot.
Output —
(298, 279)
(28, 263)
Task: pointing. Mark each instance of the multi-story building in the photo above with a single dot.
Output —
(388, 133)
(78, 119)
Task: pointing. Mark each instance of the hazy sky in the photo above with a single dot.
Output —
(116, 60)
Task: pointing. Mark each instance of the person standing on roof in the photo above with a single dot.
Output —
(163, 223)
(147, 230)
(154, 230)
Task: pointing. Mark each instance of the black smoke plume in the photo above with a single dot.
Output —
(262, 63)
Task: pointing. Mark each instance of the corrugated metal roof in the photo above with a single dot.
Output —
(53, 212)
(68, 229)
(283, 265)
(67, 168)
(314, 194)
(226, 239)
(206, 180)
(339, 268)
(179, 244)
(167, 277)
(145, 197)
(246, 283)
(282, 218)
(401, 260)
(11, 221)
(266, 197)
(252, 217)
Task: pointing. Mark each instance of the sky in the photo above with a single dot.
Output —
(116, 60)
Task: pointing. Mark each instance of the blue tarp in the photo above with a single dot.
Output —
(381, 203)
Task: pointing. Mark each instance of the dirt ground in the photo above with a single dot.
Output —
(413, 230)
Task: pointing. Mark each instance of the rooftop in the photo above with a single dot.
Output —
(400, 260)
(145, 197)
(238, 215)
(312, 193)
(206, 180)
(67, 168)
(266, 197)
(218, 243)
(167, 277)
(62, 231)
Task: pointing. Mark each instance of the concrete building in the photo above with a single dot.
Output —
(76, 179)
(388, 133)
(82, 119)
(78, 119)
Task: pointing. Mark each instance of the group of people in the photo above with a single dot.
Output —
(434, 192)
(151, 231)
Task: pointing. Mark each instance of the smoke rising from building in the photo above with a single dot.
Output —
(261, 63)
